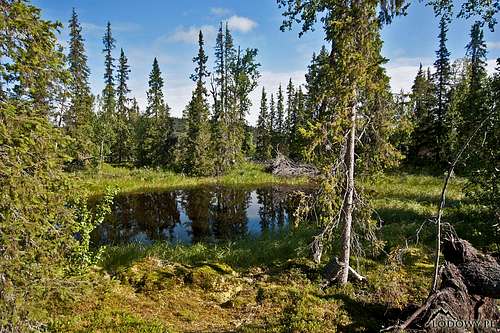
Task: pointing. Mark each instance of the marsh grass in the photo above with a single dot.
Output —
(150, 180)
(269, 250)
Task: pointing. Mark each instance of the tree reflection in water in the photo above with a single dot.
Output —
(199, 214)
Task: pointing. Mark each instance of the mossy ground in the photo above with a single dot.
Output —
(267, 284)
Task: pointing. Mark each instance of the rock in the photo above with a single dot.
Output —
(152, 274)
(205, 277)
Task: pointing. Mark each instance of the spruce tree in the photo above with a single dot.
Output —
(474, 109)
(197, 159)
(108, 94)
(475, 105)
(272, 124)
(78, 118)
(290, 116)
(263, 144)
(442, 86)
(297, 141)
(423, 103)
(123, 127)
(280, 122)
(156, 137)
(235, 77)
(355, 61)
(104, 126)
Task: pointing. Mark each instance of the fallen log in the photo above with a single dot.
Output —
(465, 300)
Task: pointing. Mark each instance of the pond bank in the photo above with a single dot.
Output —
(149, 180)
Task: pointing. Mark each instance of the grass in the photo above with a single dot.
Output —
(142, 180)
(268, 284)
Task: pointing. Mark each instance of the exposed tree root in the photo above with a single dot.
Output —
(465, 300)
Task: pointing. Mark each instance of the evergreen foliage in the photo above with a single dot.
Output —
(78, 118)
(123, 126)
(263, 144)
(156, 138)
(197, 157)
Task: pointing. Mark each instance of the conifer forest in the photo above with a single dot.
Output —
(325, 201)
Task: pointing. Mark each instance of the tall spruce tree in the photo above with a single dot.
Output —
(79, 117)
(123, 126)
(290, 93)
(297, 141)
(264, 148)
(156, 135)
(442, 77)
(280, 122)
(235, 77)
(104, 125)
(422, 99)
(108, 94)
(474, 106)
(197, 154)
(272, 124)
(355, 76)
(474, 109)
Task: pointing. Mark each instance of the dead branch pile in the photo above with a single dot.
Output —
(284, 167)
(465, 300)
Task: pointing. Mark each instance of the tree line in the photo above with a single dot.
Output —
(112, 128)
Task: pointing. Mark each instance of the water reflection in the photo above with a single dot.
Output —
(199, 214)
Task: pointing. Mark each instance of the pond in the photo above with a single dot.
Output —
(205, 214)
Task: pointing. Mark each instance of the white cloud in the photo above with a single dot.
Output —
(189, 35)
(242, 24)
(271, 81)
(117, 27)
(493, 45)
(491, 66)
(402, 71)
(220, 11)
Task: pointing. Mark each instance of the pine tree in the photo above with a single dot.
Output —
(78, 119)
(441, 149)
(156, 134)
(263, 144)
(123, 126)
(197, 159)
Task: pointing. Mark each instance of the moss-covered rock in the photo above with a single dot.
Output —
(152, 274)
(205, 277)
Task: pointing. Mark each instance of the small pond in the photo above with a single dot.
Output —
(205, 214)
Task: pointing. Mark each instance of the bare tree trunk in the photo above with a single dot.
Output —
(349, 202)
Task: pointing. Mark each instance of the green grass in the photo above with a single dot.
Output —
(142, 180)
(266, 251)
(273, 286)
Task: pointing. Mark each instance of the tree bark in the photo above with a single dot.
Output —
(349, 202)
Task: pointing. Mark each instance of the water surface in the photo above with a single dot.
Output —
(199, 214)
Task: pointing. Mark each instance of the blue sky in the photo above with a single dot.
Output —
(167, 29)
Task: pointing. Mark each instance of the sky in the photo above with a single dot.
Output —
(167, 30)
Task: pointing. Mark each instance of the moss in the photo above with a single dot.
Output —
(152, 274)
